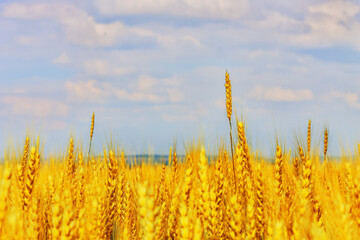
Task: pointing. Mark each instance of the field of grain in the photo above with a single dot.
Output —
(302, 194)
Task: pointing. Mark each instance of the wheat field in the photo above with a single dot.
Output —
(235, 194)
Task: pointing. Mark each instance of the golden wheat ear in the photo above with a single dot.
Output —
(91, 130)
(309, 137)
(229, 113)
(228, 95)
(326, 141)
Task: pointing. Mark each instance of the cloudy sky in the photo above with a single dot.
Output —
(153, 71)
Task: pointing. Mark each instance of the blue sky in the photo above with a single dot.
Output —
(154, 70)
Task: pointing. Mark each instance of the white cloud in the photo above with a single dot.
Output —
(103, 68)
(263, 53)
(33, 40)
(135, 96)
(93, 34)
(279, 94)
(86, 91)
(63, 58)
(175, 95)
(217, 9)
(79, 27)
(21, 11)
(331, 23)
(352, 99)
(339, 9)
(182, 112)
(321, 25)
(276, 21)
(146, 83)
(180, 42)
(144, 89)
(149, 83)
(30, 106)
(193, 40)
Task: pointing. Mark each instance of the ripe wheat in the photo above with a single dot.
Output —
(304, 195)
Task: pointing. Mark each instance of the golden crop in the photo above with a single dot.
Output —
(301, 195)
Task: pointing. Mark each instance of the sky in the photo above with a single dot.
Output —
(153, 72)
